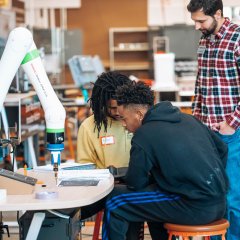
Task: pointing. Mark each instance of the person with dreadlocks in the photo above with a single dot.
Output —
(176, 170)
(103, 140)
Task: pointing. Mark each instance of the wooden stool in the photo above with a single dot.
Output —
(97, 226)
(185, 231)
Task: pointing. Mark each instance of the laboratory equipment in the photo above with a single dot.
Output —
(21, 50)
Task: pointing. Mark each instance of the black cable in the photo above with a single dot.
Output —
(13, 152)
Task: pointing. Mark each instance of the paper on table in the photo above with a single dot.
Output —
(91, 174)
(78, 182)
(64, 166)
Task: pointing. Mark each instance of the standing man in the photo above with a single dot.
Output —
(217, 91)
(176, 169)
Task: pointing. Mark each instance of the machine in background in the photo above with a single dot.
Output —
(21, 50)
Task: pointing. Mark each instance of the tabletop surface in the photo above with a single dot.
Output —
(68, 197)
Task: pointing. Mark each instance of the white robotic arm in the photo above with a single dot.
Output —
(21, 50)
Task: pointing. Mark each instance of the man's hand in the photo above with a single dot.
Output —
(223, 128)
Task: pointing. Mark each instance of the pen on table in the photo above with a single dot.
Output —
(39, 182)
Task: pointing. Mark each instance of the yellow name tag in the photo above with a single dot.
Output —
(107, 140)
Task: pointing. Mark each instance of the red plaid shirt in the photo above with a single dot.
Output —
(217, 90)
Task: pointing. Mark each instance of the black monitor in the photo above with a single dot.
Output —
(183, 41)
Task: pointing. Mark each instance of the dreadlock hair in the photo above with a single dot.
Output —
(104, 90)
(209, 7)
(135, 93)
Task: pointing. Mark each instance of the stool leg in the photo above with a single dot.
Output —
(170, 236)
(223, 237)
(97, 225)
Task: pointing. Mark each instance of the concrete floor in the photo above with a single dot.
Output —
(86, 231)
(86, 234)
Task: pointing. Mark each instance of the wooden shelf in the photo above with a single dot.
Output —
(118, 49)
(128, 29)
(128, 48)
(131, 66)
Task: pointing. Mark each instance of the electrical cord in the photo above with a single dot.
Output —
(59, 214)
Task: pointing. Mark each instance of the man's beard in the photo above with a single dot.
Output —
(211, 30)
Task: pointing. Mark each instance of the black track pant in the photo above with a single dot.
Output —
(135, 231)
(151, 205)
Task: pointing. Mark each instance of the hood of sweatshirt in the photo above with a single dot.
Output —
(163, 111)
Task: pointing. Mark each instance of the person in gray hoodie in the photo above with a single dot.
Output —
(176, 171)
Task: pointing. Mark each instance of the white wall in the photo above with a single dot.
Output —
(231, 3)
(164, 13)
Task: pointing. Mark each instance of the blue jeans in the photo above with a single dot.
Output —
(233, 196)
